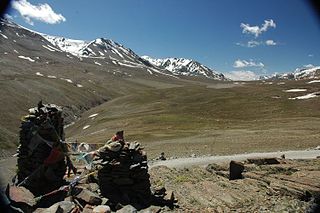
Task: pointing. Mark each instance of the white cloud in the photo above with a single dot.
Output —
(310, 55)
(251, 43)
(242, 75)
(254, 43)
(270, 43)
(243, 63)
(256, 30)
(40, 12)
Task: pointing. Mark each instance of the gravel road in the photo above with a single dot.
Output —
(205, 160)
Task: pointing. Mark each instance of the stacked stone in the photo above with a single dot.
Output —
(40, 129)
(124, 176)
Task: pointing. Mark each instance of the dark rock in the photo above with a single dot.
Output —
(235, 170)
(263, 161)
(127, 209)
(89, 197)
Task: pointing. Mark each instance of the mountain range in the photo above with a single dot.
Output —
(105, 51)
(310, 72)
(138, 93)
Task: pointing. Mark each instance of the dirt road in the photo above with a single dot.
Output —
(205, 160)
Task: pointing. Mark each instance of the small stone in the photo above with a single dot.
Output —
(20, 194)
(69, 198)
(151, 209)
(104, 201)
(102, 209)
(127, 209)
(169, 196)
(61, 207)
(89, 197)
(88, 209)
(235, 169)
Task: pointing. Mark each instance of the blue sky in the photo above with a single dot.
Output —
(241, 37)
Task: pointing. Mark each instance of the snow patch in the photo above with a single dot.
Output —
(86, 127)
(26, 58)
(79, 85)
(295, 90)
(93, 115)
(127, 65)
(67, 80)
(310, 95)
(97, 63)
(48, 48)
(39, 74)
(15, 51)
(4, 36)
(52, 76)
(314, 81)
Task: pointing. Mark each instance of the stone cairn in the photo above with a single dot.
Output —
(123, 174)
(41, 130)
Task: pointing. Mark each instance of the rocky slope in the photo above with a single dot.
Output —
(267, 185)
(257, 185)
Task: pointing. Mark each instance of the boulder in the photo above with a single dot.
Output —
(19, 194)
(89, 197)
(235, 170)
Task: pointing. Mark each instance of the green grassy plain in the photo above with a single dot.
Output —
(198, 119)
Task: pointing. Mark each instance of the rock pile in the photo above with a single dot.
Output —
(123, 177)
(41, 131)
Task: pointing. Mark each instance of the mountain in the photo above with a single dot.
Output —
(311, 72)
(184, 67)
(75, 74)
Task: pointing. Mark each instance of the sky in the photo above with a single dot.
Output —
(240, 38)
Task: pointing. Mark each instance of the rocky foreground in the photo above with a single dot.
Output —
(256, 185)
(265, 185)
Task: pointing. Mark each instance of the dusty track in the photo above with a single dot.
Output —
(205, 160)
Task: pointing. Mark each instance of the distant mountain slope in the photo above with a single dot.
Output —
(185, 67)
(298, 74)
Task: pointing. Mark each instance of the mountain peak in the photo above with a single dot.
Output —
(185, 67)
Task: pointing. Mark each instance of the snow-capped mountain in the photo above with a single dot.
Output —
(185, 67)
(98, 48)
(41, 48)
(310, 72)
